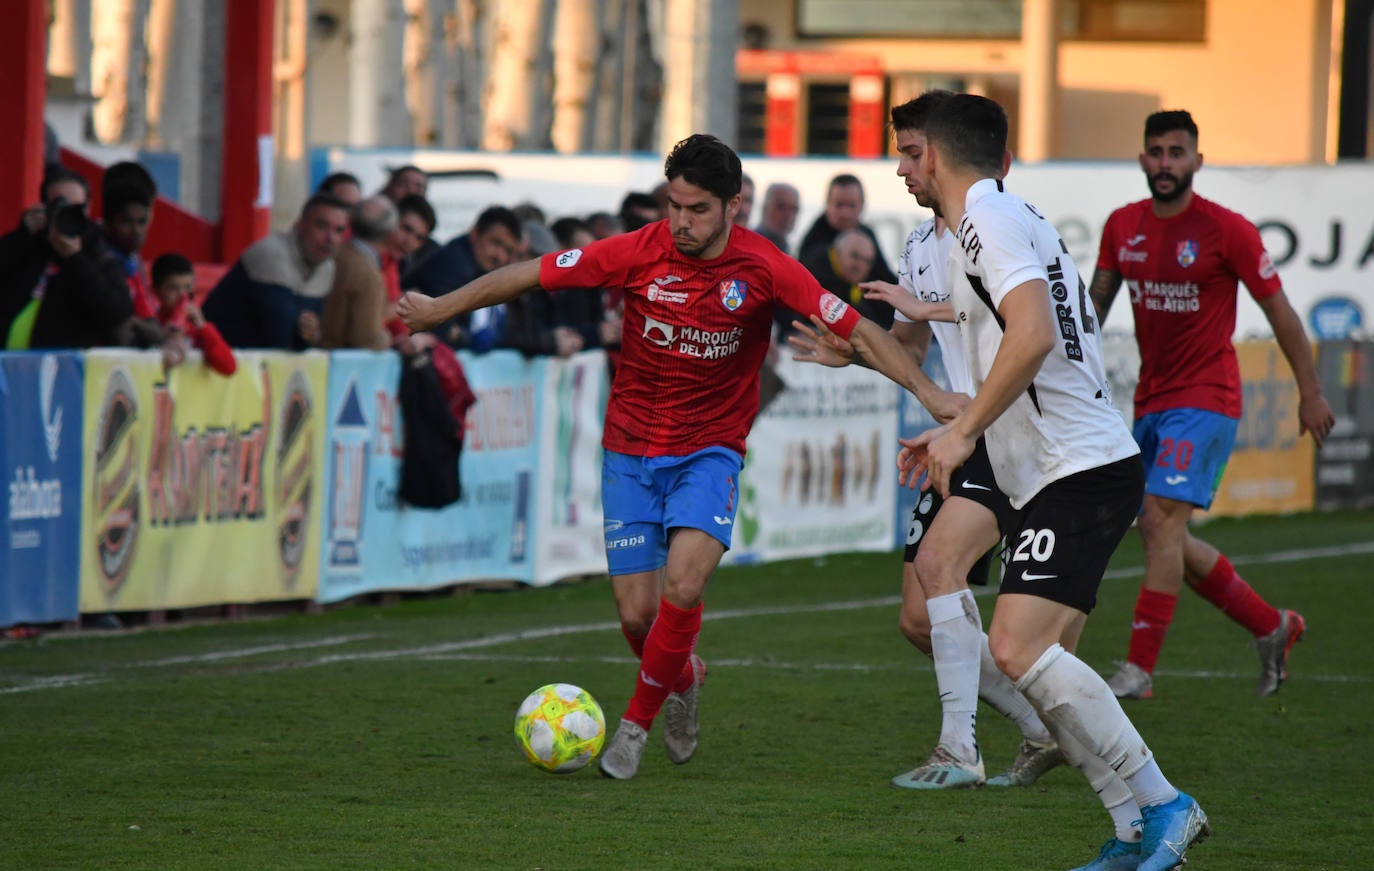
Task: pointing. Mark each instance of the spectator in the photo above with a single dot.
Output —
(342, 186)
(844, 205)
(490, 244)
(404, 181)
(174, 285)
(842, 266)
(780, 205)
(531, 321)
(604, 225)
(746, 201)
(127, 213)
(60, 286)
(128, 172)
(639, 210)
(415, 228)
(528, 211)
(356, 305)
(584, 311)
(272, 297)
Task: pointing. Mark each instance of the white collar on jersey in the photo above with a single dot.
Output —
(980, 189)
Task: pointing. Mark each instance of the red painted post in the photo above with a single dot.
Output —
(23, 50)
(246, 173)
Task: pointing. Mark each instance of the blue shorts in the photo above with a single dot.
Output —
(1185, 452)
(642, 498)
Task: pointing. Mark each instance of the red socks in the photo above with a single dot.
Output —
(664, 661)
(1153, 614)
(1237, 599)
(636, 641)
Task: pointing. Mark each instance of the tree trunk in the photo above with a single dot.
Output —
(377, 110)
(118, 70)
(610, 78)
(470, 39)
(514, 91)
(576, 52)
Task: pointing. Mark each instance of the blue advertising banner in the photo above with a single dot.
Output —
(912, 420)
(40, 453)
(371, 541)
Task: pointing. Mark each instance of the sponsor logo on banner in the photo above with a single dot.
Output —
(116, 488)
(294, 473)
(49, 413)
(1187, 253)
(350, 444)
(568, 258)
(732, 293)
(32, 497)
(1335, 317)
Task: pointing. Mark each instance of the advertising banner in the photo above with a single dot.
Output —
(569, 538)
(1345, 464)
(819, 475)
(40, 454)
(371, 540)
(912, 420)
(1270, 471)
(199, 489)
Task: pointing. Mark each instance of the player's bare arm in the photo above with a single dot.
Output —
(826, 349)
(1106, 283)
(883, 353)
(1314, 413)
(1028, 339)
(915, 337)
(420, 312)
(918, 310)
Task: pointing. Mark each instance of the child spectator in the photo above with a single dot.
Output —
(174, 283)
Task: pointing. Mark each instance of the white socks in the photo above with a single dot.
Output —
(998, 691)
(956, 633)
(1075, 700)
(1116, 796)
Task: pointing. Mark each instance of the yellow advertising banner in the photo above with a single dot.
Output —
(199, 489)
(1271, 468)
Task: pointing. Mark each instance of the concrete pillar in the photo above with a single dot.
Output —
(699, 82)
(1039, 110)
(377, 111)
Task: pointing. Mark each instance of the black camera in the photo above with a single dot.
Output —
(69, 219)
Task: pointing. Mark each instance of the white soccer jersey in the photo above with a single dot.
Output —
(922, 273)
(1064, 422)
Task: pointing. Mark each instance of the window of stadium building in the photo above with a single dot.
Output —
(1080, 20)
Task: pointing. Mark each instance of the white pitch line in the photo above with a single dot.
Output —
(456, 648)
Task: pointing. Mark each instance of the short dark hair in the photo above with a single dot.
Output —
(631, 206)
(402, 170)
(912, 114)
(60, 174)
(418, 205)
(971, 131)
(844, 180)
(565, 228)
(323, 201)
(169, 266)
(329, 182)
(1170, 120)
(127, 172)
(703, 160)
(117, 197)
(494, 216)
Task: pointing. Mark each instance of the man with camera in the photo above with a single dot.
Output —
(60, 287)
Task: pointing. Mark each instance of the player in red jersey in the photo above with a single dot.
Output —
(1182, 257)
(700, 294)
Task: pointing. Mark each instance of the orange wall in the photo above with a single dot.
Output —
(1257, 86)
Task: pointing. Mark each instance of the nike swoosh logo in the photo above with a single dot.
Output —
(648, 680)
(1027, 576)
(1135, 240)
(722, 521)
(922, 270)
(969, 485)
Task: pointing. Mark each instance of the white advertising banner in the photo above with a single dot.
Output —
(1314, 220)
(820, 474)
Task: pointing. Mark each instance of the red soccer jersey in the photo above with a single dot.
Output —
(1182, 274)
(695, 333)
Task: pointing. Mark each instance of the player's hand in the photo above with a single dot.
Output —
(194, 317)
(938, 452)
(63, 246)
(1314, 416)
(946, 405)
(418, 311)
(819, 345)
(308, 325)
(895, 296)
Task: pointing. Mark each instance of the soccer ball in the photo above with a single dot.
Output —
(560, 727)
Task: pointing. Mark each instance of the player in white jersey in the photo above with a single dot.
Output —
(949, 542)
(1063, 457)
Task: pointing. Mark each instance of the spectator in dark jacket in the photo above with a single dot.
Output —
(531, 320)
(273, 295)
(490, 244)
(844, 205)
(60, 286)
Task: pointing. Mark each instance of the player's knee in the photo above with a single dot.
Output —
(938, 569)
(1164, 518)
(1007, 653)
(684, 590)
(637, 617)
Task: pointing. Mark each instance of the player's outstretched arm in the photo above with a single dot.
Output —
(1314, 413)
(420, 312)
(822, 347)
(1103, 290)
(883, 353)
(897, 297)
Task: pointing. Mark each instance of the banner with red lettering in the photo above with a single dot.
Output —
(199, 489)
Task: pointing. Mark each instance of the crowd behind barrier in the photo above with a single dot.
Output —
(136, 488)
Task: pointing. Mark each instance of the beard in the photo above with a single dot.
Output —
(695, 250)
(1181, 185)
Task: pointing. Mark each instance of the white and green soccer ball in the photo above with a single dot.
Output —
(560, 727)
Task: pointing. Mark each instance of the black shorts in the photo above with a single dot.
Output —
(973, 480)
(1060, 545)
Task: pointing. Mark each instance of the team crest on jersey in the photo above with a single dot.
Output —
(1187, 253)
(732, 293)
